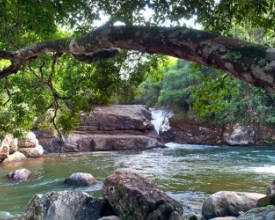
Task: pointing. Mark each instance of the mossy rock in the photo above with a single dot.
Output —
(265, 201)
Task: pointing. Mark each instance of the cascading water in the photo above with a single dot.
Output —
(160, 119)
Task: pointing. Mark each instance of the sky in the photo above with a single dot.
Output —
(147, 14)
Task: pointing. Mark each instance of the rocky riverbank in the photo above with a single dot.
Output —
(115, 127)
(190, 132)
(129, 195)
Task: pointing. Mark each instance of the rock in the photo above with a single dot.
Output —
(5, 146)
(28, 141)
(67, 205)
(20, 174)
(114, 127)
(226, 203)
(190, 132)
(15, 157)
(133, 196)
(271, 188)
(239, 135)
(9, 143)
(185, 132)
(192, 216)
(262, 213)
(4, 152)
(32, 151)
(117, 118)
(224, 218)
(50, 142)
(112, 217)
(267, 200)
(13, 145)
(81, 179)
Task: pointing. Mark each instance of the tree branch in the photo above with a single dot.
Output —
(249, 62)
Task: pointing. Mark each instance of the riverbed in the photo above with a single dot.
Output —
(189, 173)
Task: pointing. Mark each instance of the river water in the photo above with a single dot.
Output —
(189, 173)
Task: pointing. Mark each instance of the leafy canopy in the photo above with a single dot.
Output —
(53, 89)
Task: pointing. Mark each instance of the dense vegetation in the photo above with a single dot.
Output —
(201, 94)
(52, 87)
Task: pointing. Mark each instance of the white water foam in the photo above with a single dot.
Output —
(172, 145)
(264, 169)
(160, 119)
(157, 118)
(4, 215)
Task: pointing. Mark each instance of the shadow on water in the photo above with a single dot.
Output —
(186, 172)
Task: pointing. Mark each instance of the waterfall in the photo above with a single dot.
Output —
(160, 119)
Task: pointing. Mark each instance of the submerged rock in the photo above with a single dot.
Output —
(262, 213)
(133, 196)
(20, 174)
(226, 203)
(15, 157)
(81, 179)
(36, 151)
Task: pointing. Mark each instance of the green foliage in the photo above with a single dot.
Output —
(206, 95)
(177, 83)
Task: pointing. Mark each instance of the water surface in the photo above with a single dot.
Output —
(183, 171)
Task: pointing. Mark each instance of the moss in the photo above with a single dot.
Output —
(263, 203)
(196, 36)
(233, 55)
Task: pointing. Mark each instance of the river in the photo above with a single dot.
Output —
(189, 173)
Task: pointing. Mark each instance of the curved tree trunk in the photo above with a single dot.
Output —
(249, 62)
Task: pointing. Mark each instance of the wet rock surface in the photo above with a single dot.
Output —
(186, 132)
(262, 213)
(115, 127)
(229, 203)
(64, 205)
(133, 196)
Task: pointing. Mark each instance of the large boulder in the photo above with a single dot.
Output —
(29, 140)
(89, 142)
(117, 119)
(15, 157)
(190, 132)
(4, 152)
(50, 142)
(36, 151)
(7, 146)
(227, 203)
(20, 174)
(80, 179)
(186, 132)
(64, 205)
(133, 196)
(239, 135)
(262, 213)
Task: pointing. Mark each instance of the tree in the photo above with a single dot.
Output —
(26, 21)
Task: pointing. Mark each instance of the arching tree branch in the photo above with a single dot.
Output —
(249, 62)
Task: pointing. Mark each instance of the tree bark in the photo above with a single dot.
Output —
(251, 63)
